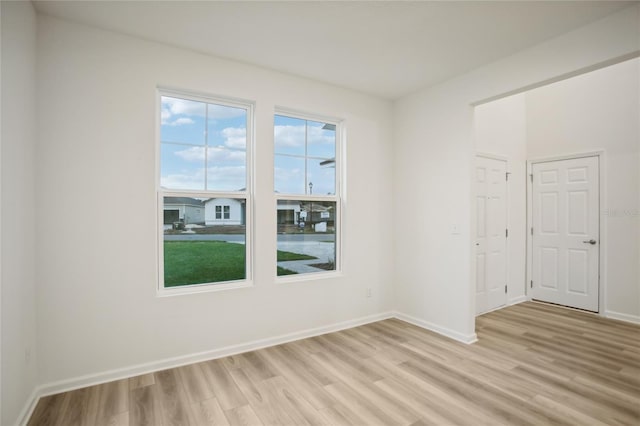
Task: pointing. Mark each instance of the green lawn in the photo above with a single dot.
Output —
(287, 255)
(285, 271)
(197, 262)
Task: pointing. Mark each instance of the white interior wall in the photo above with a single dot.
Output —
(433, 136)
(98, 113)
(600, 111)
(19, 375)
(97, 301)
(500, 129)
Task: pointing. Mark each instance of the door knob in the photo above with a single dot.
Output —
(592, 242)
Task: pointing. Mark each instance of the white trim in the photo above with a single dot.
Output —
(517, 300)
(247, 194)
(203, 288)
(602, 202)
(308, 276)
(199, 96)
(339, 196)
(561, 77)
(493, 156)
(30, 406)
(635, 319)
(305, 115)
(464, 338)
(510, 302)
(497, 308)
(150, 367)
(570, 156)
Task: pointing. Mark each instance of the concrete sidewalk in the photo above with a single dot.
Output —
(323, 251)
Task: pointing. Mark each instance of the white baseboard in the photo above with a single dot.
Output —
(464, 338)
(27, 411)
(517, 300)
(136, 370)
(622, 317)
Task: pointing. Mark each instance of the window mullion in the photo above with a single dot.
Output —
(206, 146)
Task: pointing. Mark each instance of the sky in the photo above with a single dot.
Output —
(193, 131)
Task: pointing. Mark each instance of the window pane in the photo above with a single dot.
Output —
(289, 175)
(219, 165)
(182, 166)
(197, 248)
(227, 127)
(321, 176)
(289, 135)
(321, 140)
(182, 121)
(227, 170)
(305, 156)
(306, 236)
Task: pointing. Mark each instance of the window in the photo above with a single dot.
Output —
(223, 212)
(307, 184)
(203, 194)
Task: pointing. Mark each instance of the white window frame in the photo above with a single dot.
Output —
(338, 197)
(224, 210)
(246, 195)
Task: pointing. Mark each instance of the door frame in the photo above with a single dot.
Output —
(602, 246)
(507, 217)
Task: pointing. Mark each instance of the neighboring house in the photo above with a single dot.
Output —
(317, 213)
(225, 211)
(183, 209)
(288, 212)
(293, 212)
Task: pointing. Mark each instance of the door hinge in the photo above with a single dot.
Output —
(532, 230)
(505, 289)
(506, 175)
(531, 177)
(531, 286)
(506, 233)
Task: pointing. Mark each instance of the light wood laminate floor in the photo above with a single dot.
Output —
(534, 364)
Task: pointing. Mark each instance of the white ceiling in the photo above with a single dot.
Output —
(384, 48)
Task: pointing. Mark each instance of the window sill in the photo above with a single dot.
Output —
(311, 276)
(202, 288)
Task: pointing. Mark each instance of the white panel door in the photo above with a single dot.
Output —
(566, 232)
(491, 238)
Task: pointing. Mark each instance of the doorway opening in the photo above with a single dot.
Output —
(585, 246)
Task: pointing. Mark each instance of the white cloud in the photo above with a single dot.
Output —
(184, 181)
(294, 136)
(224, 178)
(289, 136)
(289, 180)
(182, 120)
(195, 153)
(177, 122)
(217, 155)
(318, 136)
(165, 115)
(172, 107)
(177, 106)
(221, 155)
(221, 112)
(235, 137)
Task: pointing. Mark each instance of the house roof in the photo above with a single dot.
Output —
(183, 200)
(241, 201)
